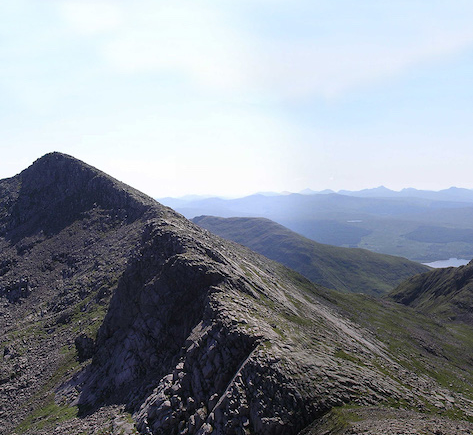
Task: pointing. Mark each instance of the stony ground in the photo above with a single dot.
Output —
(119, 315)
(383, 421)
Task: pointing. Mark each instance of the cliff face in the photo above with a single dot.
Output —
(118, 315)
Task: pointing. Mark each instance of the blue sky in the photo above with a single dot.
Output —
(240, 96)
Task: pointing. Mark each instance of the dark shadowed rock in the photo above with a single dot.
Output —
(85, 347)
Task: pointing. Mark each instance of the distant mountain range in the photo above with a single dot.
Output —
(420, 225)
(450, 194)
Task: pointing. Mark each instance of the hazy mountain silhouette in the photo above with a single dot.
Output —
(380, 224)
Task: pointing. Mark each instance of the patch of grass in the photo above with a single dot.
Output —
(457, 414)
(340, 353)
(335, 422)
(267, 302)
(278, 331)
(399, 403)
(452, 413)
(296, 302)
(87, 317)
(49, 414)
(298, 320)
(105, 431)
(266, 344)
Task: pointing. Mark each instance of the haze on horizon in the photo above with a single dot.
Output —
(232, 98)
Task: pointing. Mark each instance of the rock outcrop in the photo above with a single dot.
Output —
(120, 316)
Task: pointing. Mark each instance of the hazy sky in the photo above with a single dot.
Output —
(238, 96)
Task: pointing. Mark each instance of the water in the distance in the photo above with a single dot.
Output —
(451, 262)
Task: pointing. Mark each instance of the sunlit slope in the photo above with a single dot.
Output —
(344, 269)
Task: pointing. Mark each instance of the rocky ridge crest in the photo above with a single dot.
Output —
(120, 315)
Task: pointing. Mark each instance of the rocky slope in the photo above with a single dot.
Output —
(446, 293)
(344, 269)
(119, 316)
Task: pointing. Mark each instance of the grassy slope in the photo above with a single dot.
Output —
(446, 293)
(436, 351)
(348, 270)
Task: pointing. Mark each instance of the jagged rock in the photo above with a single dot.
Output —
(85, 347)
(182, 330)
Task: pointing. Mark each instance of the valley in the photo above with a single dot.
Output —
(423, 227)
(344, 269)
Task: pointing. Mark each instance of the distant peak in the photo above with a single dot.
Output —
(56, 154)
(61, 173)
(380, 189)
(307, 192)
(457, 189)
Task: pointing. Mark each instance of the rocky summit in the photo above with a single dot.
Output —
(119, 316)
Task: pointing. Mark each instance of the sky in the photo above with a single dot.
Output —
(239, 96)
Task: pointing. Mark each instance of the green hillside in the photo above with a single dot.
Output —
(445, 293)
(345, 269)
(433, 348)
(424, 227)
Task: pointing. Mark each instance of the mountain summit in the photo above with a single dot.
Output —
(120, 316)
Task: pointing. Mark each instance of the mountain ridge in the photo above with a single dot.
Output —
(344, 269)
(162, 268)
(120, 316)
(446, 293)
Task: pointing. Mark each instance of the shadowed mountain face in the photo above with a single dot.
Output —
(445, 293)
(344, 269)
(119, 316)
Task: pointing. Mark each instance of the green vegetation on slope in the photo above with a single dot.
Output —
(433, 349)
(434, 234)
(446, 293)
(344, 269)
